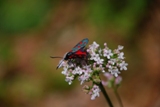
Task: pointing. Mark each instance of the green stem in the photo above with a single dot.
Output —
(118, 97)
(105, 94)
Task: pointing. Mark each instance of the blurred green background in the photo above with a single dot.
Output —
(33, 30)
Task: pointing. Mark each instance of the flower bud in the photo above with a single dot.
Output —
(86, 88)
(97, 80)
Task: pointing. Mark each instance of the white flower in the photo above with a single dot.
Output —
(112, 61)
(84, 77)
(99, 61)
(77, 70)
(94, 57)
(107, 53)
(120, 55)
(88, 69)
(69, 79)
(123, 65)
(120, 47)
(65, 70)
(93, 47)
(95, 92)
(114, 71)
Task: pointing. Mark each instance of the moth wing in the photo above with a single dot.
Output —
(80, 45)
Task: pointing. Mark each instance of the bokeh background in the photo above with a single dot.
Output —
(33, 30)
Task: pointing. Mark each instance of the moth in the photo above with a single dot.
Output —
(78, 53)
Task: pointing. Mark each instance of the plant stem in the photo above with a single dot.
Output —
(105, 94)
(118, 97)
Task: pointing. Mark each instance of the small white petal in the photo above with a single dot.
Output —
(107, 53)
(120, 55)
(123, 65)
(120, 47)
(114, 71)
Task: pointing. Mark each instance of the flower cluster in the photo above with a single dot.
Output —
(105, 58)
(99, 61)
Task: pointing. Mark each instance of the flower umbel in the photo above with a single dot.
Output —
(99, 61)
(94, 92)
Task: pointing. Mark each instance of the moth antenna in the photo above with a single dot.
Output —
(55, 57)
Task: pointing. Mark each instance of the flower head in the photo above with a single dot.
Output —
(99, 60)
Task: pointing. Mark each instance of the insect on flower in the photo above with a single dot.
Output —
(78, 53)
